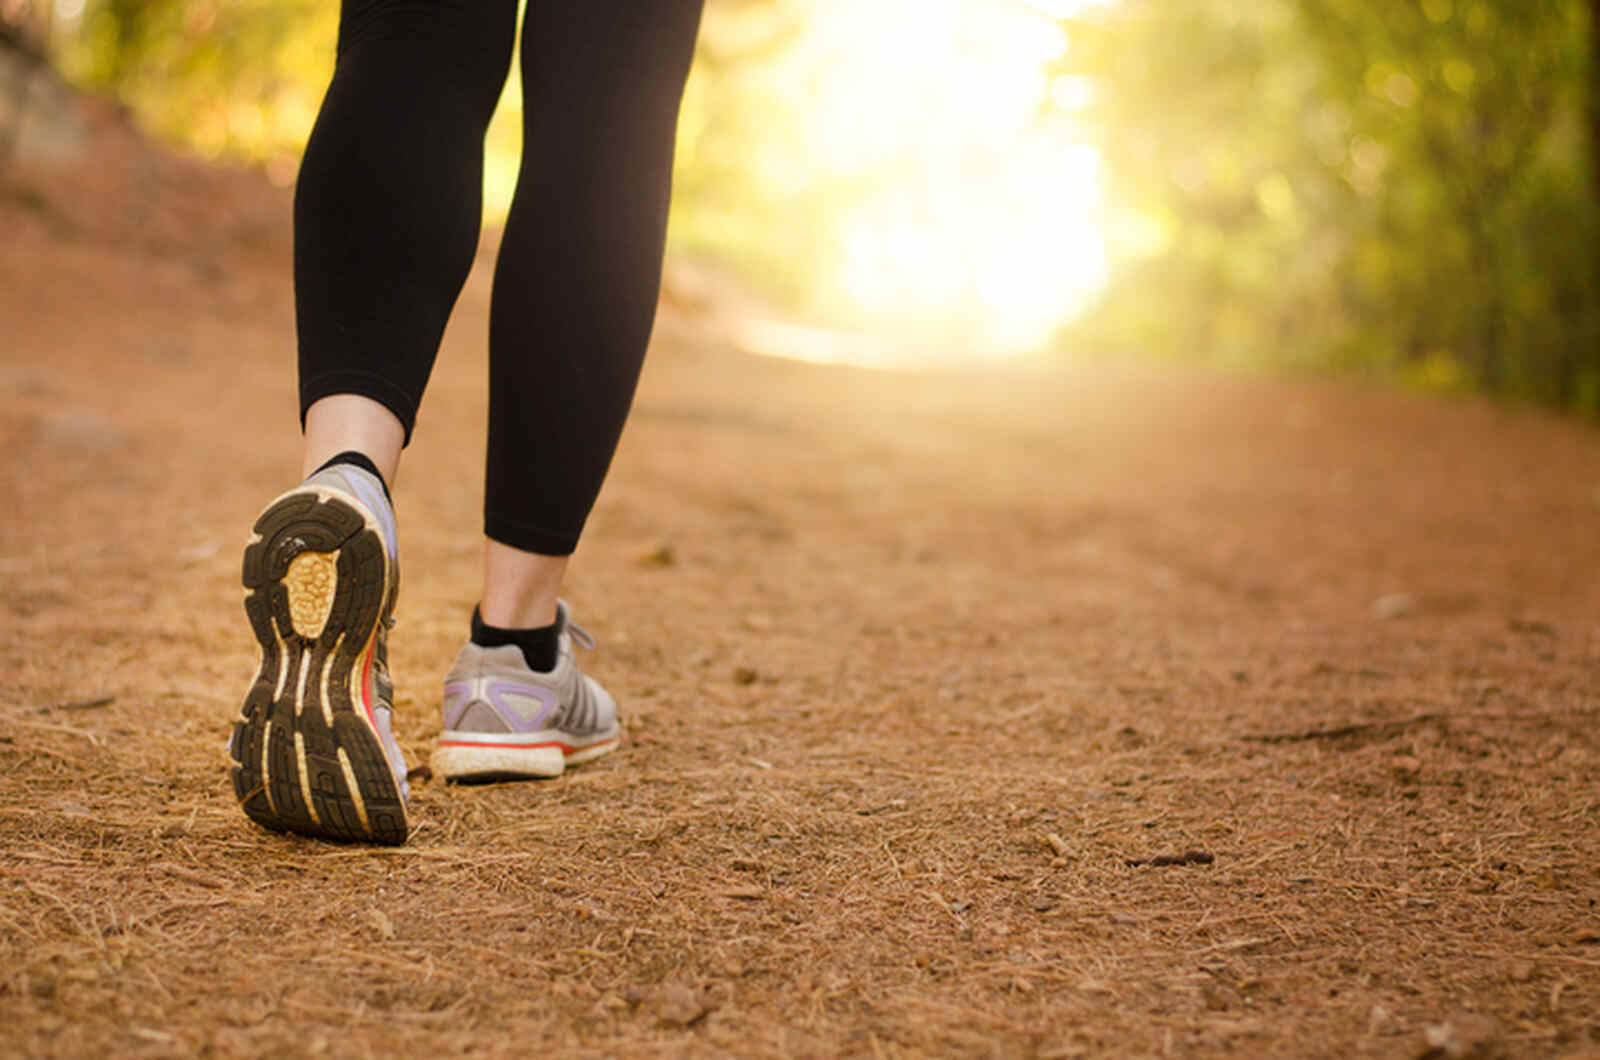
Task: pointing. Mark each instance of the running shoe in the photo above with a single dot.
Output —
(505, 721)
(314, 751)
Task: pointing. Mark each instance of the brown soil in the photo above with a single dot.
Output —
(931, 682)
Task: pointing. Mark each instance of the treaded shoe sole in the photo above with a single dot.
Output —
(307, 756)
(481, 756)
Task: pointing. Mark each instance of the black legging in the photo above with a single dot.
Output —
(389, 203)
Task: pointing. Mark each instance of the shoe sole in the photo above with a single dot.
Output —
(307, 755)
(493, 756)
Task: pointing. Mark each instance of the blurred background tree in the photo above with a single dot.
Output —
(228, 78)
(1403, 188)
(1406, 189)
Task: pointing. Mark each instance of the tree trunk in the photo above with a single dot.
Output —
(1571, 368)
(27, 25)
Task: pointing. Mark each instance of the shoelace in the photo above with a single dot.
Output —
(580, 636)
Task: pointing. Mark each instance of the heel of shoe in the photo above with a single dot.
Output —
(308, 757)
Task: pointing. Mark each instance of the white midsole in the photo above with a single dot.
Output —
(468, 754)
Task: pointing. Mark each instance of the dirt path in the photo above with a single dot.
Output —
(926, 678)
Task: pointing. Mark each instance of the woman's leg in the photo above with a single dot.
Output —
(389, 201)
(578, 276)
(386, 223)
(344, 423)
(574, 300)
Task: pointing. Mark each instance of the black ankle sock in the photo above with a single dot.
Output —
(539, 646)
(364, 462)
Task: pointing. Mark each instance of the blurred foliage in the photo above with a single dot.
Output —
(1395, 187)
(228, 78)
(1400, 188)
(739, 186)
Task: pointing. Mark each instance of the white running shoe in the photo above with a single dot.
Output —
(504, 721)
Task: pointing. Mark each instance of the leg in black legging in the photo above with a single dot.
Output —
(387, 213)
(580, 267)
(389, 200)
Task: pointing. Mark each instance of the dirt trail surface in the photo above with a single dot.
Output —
(1026, 712)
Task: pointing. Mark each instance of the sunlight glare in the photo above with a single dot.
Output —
(983, 221)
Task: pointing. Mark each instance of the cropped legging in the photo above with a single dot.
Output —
(388, 207)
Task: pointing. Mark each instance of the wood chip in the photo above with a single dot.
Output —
(673, 1004)
(1463, 1035)
(190, 875)
(661, 555)
(80, 704)
(1188, 857)
(1393, 605)
(380, 923)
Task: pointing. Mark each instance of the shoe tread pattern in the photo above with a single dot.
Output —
(298, 523)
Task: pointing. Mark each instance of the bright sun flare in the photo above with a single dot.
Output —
(968, 220)
(988, 231)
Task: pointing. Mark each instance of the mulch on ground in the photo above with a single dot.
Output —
(1031, 710)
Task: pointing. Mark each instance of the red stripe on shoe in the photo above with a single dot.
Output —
(565, 748)
(366, 681)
